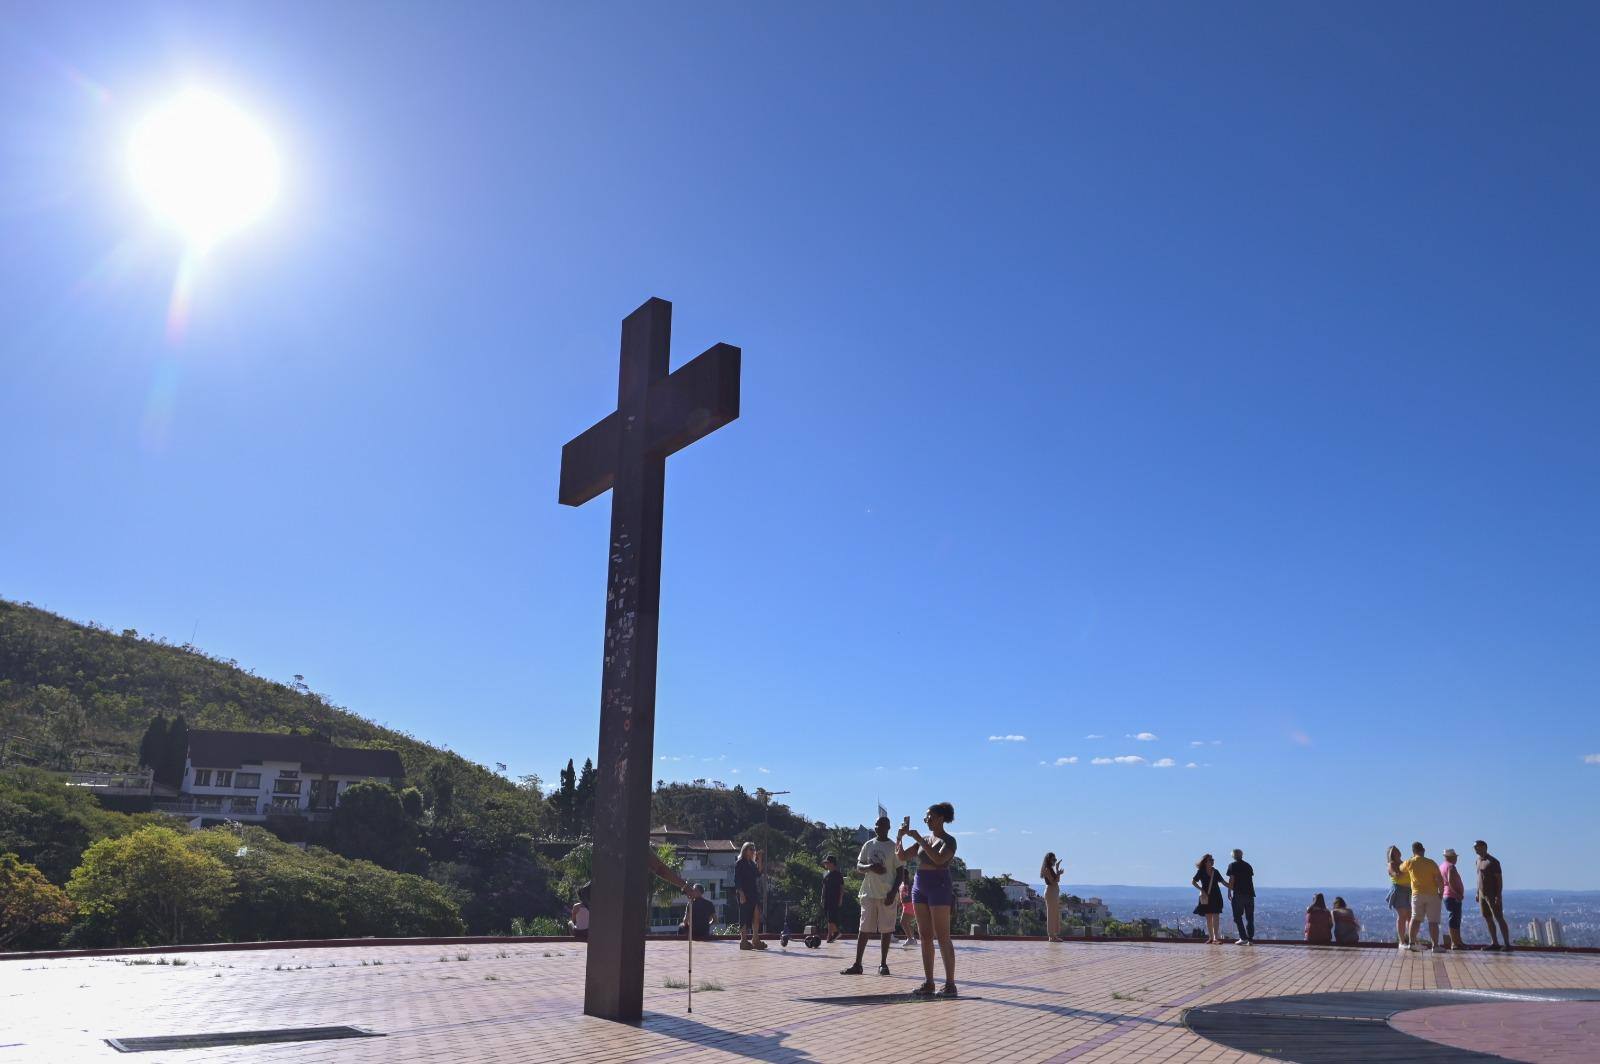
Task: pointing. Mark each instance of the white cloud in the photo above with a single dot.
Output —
(991, 831)
(1025, 831)
(735, 772)
(1165, 762)
(906, 768)
(1101, 761)
(1191, 765)
(762, 769)
(1008, 738)
(1144, 737)
(1205, 742)
(875, 768)
(664, 757)
(1125, 759)
(1591, 759)
(1299, 738)
(1094, 736)
(1062, 761)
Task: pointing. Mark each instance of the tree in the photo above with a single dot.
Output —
(565, 799)
(148, 889)
(49, 826)
(175, 751)
(584, 797)
(153, 744)
(370, 822)
(29, 903)
(990, 892)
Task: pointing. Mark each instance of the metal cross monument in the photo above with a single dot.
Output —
(657, 413)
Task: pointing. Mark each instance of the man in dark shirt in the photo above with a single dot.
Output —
(832, 895)
(747, 881)
(699, 912)
(1491, 904)
(1242, 891)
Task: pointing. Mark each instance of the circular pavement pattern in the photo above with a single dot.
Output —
(1543, 1032)
(1427, 1026)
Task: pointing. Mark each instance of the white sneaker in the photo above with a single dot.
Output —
(1401, 946)
(1241, 942)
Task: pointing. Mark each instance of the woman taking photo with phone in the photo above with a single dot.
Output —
(932, 892)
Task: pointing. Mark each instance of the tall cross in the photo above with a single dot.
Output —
(657, 413)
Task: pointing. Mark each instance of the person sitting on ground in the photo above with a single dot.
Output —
(1455, 892)
(1491, 902)
(879, 866)
(700, 911)
(832, 896)
(579, 923)
(1346, 926)
(1319, 922)
(1427, 891)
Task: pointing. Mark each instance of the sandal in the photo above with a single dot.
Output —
(947, 991)
(924, 991)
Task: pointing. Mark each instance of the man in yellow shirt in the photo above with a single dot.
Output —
(1427, 888)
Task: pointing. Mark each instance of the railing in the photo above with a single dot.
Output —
(122, 783)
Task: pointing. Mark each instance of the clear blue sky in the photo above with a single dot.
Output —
(1227, 375)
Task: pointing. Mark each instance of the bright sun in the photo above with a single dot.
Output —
(203, 165)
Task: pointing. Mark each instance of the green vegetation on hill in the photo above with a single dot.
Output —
(454, 847)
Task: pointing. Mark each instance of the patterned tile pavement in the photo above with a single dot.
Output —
(1023, 1001)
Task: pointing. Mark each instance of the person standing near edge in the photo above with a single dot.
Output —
(747, 881)
(1399, 897)
(1208, 881)
(933, 893)
(832, 896)
(879, 865)
(1491, 885)
(1242, 893)
(1455, 892)
(1427, 888)
(1050, 872)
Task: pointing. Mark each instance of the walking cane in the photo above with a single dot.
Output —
(688, 920)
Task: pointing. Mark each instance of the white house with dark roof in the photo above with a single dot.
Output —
(708, 862)
(253, 775)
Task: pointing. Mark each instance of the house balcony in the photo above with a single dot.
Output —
(122, 784)
(236, 809)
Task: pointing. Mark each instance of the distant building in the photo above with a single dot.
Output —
(1092, 911)
(708, 862)
(250, 776)
(1535, 933)
(1552, 932)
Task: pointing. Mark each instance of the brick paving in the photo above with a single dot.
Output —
(1031, 1002)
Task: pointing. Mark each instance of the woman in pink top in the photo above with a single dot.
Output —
(1454, 892)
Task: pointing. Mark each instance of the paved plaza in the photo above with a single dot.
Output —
(1022, 1001)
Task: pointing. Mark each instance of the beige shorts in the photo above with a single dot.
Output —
(1425, 907)
(876, 917)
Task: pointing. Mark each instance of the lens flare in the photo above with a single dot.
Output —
(203, 166)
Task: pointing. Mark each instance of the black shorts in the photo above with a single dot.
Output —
(747, 914)
(830, 914)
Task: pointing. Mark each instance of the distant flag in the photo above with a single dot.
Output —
(882, 811)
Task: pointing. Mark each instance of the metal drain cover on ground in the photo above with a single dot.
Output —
(236, 1038)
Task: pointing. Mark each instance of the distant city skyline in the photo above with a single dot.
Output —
(1160, 434)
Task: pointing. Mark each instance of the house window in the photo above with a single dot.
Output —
(202, 777)
(224, 777)
(285, 786)
(286, 803)
(247, 781)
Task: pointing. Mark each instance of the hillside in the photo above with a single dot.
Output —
(82, 693)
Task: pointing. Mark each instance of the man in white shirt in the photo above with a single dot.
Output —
(880, 890)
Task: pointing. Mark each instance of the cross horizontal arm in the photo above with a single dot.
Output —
(692, 402)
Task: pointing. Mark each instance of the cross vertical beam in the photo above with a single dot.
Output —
(626, 451)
